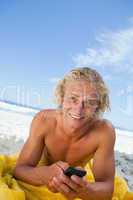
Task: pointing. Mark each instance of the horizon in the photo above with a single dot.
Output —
(42, 41)
(38, 109)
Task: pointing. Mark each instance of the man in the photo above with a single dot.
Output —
(70, 136)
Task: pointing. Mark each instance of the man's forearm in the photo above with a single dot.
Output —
(98, 190)
(32, 175)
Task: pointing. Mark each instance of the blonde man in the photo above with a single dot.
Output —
(70, 136)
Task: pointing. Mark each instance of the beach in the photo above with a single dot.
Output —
(14, 129)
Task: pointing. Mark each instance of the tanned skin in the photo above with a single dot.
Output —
(70, 136)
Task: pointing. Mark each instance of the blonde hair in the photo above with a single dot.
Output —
(94, 78)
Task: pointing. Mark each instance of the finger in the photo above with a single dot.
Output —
(64, 179)
(65, 190)
(52, 190)
(61, 186)
(78, 180)
(79, 167)
(62, 165)
(52, 187)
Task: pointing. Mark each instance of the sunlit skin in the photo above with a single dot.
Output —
(79, 105)
(70, 136)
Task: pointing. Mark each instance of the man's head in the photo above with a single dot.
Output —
(84, 92)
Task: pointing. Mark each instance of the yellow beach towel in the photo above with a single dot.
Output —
(12, 189)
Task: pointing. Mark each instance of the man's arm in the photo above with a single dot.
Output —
(103, 166)
(103, 170)
(26, 169)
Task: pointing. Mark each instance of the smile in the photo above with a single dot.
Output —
(76, 116)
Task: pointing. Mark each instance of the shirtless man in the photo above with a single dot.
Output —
(70, 136)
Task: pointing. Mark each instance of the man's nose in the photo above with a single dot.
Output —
(80, 106)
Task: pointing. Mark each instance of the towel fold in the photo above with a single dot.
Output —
(12, 189)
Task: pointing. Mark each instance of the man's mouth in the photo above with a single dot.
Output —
(74, 116)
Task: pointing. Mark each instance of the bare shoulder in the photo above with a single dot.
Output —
(44, 114)
(107, 133)
(107, 127)
(103, 161)
(42, 121)
(34, 145)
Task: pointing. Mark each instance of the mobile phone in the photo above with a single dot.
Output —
(73, 171)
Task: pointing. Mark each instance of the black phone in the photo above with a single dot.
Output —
(73, 171)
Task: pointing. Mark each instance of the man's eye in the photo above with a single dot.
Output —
(91, 102)
(73, 99)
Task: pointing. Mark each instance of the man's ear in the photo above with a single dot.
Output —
(60, 106)
(61, 101)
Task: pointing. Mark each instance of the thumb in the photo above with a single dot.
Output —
(80, 168)
(62, 165)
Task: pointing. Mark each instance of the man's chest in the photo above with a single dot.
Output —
(75, 153)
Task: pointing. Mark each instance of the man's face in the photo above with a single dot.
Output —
(80, 102)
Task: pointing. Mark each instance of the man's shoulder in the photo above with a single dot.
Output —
(107, 131)
(104, 130)
(104, 124)
(44, 119)
(45, 114)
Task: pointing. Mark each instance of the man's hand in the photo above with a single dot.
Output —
(56, 170)
(70, 187)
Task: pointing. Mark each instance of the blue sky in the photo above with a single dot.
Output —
(42, 40)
